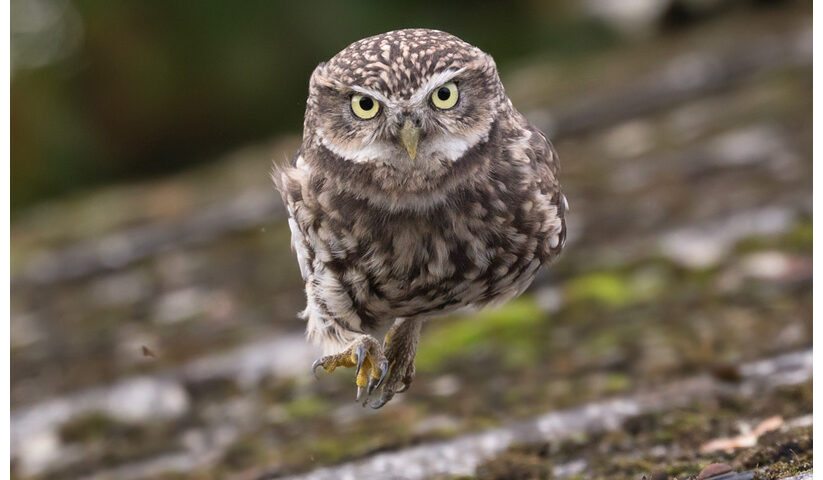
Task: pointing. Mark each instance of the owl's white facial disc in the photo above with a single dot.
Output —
(365, 151)
(451, 147)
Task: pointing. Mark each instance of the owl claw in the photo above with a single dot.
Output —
(385, 396)
(366, 356)
(360, 352)
(389, 392)
(373, 371)
(375, 383)
(384, 399)
(372, 386)
(314, 366)
(384, 369)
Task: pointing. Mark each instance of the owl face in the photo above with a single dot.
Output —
(404, 100)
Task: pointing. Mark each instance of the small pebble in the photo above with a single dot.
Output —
(713, 470)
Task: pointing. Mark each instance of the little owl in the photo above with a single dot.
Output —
(418, 190)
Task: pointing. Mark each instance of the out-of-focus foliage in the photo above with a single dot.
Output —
(109, 90)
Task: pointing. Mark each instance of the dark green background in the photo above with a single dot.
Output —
(154, 86)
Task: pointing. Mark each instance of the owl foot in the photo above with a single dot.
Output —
(367, 355)
(400, 346)
(398, 380)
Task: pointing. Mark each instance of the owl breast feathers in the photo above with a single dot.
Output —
(418, 188)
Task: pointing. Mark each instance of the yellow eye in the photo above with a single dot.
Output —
(445, 97)
(364, 107)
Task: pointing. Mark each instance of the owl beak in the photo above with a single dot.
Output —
(409, 135)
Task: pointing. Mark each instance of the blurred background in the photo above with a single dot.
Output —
(153, 326)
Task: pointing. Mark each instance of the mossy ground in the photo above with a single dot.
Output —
(615, 314)
(667, 444)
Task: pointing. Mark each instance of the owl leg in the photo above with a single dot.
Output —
(400, 347)
(366, 354)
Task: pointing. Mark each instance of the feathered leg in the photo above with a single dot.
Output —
(348, 349)
(400, 347)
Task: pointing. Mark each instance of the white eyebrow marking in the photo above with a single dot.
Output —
(434, 82)
(419, 95)
(373, 94)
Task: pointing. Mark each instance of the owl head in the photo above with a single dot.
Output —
(409, 101)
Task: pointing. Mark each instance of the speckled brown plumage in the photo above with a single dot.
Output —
(384, 234)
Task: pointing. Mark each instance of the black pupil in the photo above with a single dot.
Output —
(444, 93)
(366, 103)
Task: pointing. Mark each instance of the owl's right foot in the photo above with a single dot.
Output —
(366, 354)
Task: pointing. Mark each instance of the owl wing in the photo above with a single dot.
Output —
(298, 244)
(289, 182)
(545, 162)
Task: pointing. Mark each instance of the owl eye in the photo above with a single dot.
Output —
(364, 107)
(445, 97)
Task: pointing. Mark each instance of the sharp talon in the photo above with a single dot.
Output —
(359, 393)
(384, 367)
(373, 384)
(383, 400)
(361, 354)
(314, 366)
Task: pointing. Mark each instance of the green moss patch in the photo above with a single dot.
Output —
(508, 330)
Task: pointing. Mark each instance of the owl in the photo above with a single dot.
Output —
(418, 190)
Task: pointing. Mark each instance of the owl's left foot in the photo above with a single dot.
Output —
(367, 355)
(400, 346)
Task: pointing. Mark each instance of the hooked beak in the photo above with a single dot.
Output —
(409, 135)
